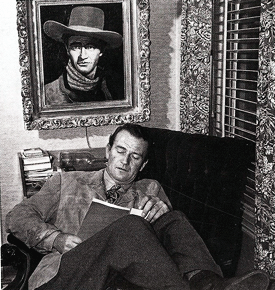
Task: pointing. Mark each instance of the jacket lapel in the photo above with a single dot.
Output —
(78, 191)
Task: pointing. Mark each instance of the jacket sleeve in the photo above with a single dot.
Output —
(32, 221)
(162, 195)
(151, 187)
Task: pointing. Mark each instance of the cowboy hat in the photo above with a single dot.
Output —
(84, 21)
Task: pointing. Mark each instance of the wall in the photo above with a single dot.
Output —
(165, 43)
(195, 71)
(265, 144)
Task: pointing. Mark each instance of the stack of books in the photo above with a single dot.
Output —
(37, 167)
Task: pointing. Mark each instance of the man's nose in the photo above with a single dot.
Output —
(83, 52)
(125, 159)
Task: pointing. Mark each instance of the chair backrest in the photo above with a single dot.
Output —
(205, 177)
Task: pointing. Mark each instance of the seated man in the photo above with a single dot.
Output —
(159, 250)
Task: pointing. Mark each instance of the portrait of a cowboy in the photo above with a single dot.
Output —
(85, 40)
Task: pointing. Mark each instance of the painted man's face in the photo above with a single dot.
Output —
(83, 54)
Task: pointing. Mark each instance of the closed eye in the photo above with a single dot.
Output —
(120, 149)
(136, 156)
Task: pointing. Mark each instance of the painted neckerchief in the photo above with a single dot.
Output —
(77, 81)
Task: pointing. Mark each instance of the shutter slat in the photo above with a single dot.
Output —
(253, 20)
(242, 80)
(244, 121)
(241, 129)
(245, 40)
(240, 110)
(240, 89)
(244, 10)
(243, 70)
(243, 50)
(244, 30)
(255, 2)
(238, 135)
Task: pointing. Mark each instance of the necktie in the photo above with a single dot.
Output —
(112, 194)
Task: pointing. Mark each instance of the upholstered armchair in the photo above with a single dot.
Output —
(203, 176)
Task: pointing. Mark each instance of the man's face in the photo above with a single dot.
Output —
(126, 157)
(83, 53)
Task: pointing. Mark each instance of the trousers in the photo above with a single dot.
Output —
(149, 256)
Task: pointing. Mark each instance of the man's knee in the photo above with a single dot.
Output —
(131, 223)
(177, 214)
(173, 220)
(174, 215)
(130, 232)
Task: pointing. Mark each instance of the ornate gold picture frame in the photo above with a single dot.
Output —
(42, 60)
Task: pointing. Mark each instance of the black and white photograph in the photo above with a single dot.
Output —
(137, 145)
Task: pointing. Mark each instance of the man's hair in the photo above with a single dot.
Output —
(136, 131)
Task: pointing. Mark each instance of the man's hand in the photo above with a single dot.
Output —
(152, 207)
(66, 242)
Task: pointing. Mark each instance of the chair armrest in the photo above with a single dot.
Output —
(22, 259)
(11, 255)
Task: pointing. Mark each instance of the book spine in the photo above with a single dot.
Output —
(44, 159)
(39, 166)
(32, 152)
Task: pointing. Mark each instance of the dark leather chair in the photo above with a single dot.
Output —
(204, 176)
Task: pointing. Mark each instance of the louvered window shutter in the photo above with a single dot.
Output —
(235, 46)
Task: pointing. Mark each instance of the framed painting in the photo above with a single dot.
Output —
(84, 62)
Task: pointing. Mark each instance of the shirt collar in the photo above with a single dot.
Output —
(109, 182)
